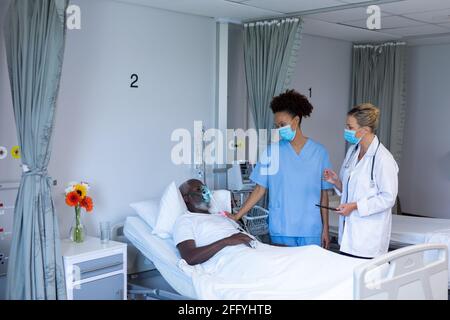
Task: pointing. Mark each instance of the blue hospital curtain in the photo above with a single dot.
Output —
(270, 54)
(34, 41)
(379, 78)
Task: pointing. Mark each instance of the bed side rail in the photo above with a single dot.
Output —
(136, 292)
(418, 272)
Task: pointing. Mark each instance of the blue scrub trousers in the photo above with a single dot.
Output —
(296, 241)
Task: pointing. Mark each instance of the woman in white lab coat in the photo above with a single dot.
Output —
(368, 185)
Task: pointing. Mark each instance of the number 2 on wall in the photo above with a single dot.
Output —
(134, 78)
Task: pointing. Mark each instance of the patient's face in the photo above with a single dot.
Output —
(198, 197)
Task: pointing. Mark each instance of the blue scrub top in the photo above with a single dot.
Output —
(294, 189)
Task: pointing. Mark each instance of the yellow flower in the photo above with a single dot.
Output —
(81, 190)
(15, 152)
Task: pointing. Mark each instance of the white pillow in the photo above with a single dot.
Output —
(171, 207)
(148, 210)
(221, 201)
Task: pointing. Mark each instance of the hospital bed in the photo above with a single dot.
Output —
(414, 272)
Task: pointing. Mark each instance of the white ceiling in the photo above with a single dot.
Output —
(416, 21)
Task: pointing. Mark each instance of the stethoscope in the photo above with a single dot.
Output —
(347, 165)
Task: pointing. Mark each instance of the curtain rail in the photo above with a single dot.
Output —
(271, 22)
(357, 46)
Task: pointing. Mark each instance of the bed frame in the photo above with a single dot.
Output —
(418, 272)
(145, 270)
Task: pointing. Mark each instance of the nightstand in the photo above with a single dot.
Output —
(95, 271)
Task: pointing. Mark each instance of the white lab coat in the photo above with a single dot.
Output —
(366, 231)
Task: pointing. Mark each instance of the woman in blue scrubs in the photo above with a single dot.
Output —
(297, 186)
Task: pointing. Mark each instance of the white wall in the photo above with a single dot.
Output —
(9, 167)
(325, 66)
(425, 166)
(108, 134)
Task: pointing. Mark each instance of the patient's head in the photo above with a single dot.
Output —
(196, 195)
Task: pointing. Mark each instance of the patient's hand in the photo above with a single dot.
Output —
(238, 238)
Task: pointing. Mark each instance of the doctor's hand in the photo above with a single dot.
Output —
(331, 177)
(347, 208)
(231, 216)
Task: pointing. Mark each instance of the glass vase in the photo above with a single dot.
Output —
(78, 230)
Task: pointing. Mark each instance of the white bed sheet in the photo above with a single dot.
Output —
(280, 273)
(162, 253)
(274, 273)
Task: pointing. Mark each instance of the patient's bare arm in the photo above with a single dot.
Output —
(195, 255)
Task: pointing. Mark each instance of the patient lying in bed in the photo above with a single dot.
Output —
(223, 265)
(198, 234)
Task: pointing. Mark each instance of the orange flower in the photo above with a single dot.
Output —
(72, 199)
(87, 203)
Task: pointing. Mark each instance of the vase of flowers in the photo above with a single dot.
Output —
(76, 196)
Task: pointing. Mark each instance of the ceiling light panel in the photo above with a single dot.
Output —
(386, 22)
(425, 29)
(344, 15)
(354, 1)
(336, 31)
(290, 6)
(439, 16)
(414, 6)
(208, 8)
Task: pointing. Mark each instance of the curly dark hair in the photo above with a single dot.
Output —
(293, 103)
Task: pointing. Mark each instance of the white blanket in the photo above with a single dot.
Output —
(268, 272)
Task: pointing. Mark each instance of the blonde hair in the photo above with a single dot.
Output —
(367, 115)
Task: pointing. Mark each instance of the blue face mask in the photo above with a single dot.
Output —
(286, 133)
(350, 137)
